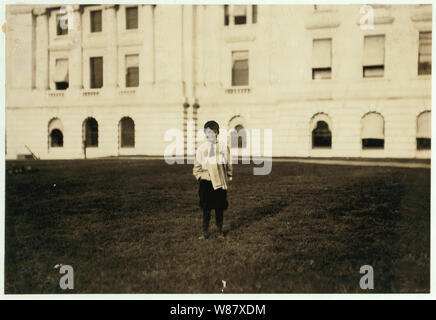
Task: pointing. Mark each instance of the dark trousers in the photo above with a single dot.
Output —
(219, 217)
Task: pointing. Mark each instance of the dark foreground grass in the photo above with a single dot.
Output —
(132, 226)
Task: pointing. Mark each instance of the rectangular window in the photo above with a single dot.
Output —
(374, 56)
(96, 21)
(373, 71)
(61, 74)
(240, 68)
(96, 71)
(61, 85)
(424, 55)
(240, 14)
(254, 14)
(61, 25)
(132, 18)
(322, 59)
(132, 70)
(423, 143)
(373, 143)
(423, 132)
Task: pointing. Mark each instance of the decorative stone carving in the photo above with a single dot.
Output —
(323, 19)
(39, 11)
(422, 13)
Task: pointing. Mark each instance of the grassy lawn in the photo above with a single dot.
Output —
(132, 226)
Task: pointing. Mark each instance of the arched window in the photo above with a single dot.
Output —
(321, 135)
(423, 131)
(126, 129)
(238, 137)
(56, 139)
(373, 131)
(90, 127)
(55, 135)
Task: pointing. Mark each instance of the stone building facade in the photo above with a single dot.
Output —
(110, 80)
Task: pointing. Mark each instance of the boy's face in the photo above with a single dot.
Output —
(210, 134)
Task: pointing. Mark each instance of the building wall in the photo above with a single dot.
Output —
(185, 61)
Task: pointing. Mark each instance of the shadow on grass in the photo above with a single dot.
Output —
(127, 227)
(246, 217)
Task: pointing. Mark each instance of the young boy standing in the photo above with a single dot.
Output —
(213, 170)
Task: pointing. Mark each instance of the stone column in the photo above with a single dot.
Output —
(185, 128)
(200, 31)
(42, 43)
(195, 108)
(188, 48)
(75, 65)
(110, 62)
(231, 17)
(249, 14)
(147, 59)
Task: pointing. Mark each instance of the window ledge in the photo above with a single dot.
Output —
(240, 33)
(423, 77)
(95, 34)
(127, 92)
(238, 90)
(325, 10)
(375, 79)
(380, 20)
(322, 80)
(62, 37)
(422, 14)
(323, 19)
(91, 93)
(126, 31)
(56, 94)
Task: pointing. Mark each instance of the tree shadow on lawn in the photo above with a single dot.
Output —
(249, 216)
(370, 219)
(325, 236)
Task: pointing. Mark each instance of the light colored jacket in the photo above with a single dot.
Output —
(213, 166)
